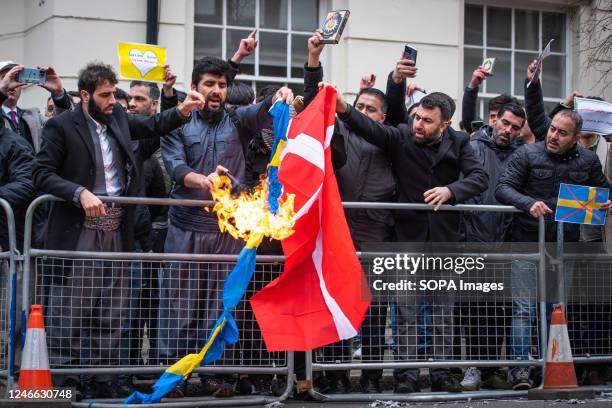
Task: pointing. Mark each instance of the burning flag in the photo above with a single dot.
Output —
(250, 216)
(322, 296)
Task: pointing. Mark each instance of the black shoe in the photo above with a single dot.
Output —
(405, 387)
(245, 386)
(323, 385)
(106, 390)
(370, 386)
(341, 385)
(123, 387)
(89, 389)
(446, 385)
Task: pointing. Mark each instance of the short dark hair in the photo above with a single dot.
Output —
(266, 91)
(94, 74)
(438, 100)
(574, 117)
(121, 94)
(239, 94)
(153, 88)
(500, 100)
(210, 65)
(377, 93)
(513, 108)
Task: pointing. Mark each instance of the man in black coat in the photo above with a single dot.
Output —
(86, 153)
(531, 183)
(428, 160)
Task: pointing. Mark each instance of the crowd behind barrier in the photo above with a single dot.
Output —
(477, 332)
(129, 285)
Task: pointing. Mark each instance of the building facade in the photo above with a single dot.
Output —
(452, 38)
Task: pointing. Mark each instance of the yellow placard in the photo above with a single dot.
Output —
(141, 61)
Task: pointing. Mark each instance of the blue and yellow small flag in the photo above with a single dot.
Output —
(581, 204)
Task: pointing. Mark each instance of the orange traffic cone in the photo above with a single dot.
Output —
(560, 372)
(34, 373)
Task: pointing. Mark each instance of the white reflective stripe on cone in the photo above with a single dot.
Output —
(559, 350)
(34, 355)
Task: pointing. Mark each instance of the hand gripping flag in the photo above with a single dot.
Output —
(322, 296)
(580, 204)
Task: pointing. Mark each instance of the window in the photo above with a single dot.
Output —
(283, 28)
(515, 37)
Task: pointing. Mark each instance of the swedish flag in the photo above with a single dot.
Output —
(580, 204)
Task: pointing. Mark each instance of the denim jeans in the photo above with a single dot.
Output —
(524, 302)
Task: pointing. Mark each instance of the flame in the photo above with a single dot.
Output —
(247, 216)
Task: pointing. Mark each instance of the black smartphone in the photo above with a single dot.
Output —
(476, 125)
(410, 53)
(33, 76)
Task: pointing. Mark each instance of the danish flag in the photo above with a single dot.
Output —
(322, 296)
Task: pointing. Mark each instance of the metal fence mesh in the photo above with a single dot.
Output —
(143, 313)
(409, 326)
(589, 284)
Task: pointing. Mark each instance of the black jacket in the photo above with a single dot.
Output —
(537, 119)
(66, 162)
(488, 226)
(363, 172)
(532, 174)
(415, 175)
(16, 162)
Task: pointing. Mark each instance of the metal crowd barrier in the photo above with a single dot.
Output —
(480, 347)
(104, 315)
(8, 291)
(148, 342)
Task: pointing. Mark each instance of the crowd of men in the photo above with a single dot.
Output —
(102, 141)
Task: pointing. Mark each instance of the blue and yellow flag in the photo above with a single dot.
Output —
(580, 204)
(224, 331)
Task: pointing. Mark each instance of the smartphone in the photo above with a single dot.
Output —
(476, 125)
(410, 53)
(33, 76)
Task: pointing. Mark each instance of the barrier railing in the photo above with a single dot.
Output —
(139, 350)
(414, 343)
(8, 287)
(105, 316)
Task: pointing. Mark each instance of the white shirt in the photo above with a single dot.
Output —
(8, 115)
(111, 175)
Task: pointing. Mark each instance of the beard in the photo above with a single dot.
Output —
(212, 115)
(97, 113)
(503, 143)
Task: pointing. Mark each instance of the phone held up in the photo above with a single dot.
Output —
(33, 76)
(410, 53)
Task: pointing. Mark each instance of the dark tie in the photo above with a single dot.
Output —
(13, 116)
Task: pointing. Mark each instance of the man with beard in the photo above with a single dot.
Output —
(191, 296)
(493, 151)
(428, 159)
(86, 153)
(531, 183)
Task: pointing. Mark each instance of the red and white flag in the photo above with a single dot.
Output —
(322, 296)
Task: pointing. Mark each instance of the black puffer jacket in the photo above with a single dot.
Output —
(488, 226)
(16, 163)
(532, 174)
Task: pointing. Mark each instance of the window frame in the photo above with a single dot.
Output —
(289, 32)
(540, 8)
